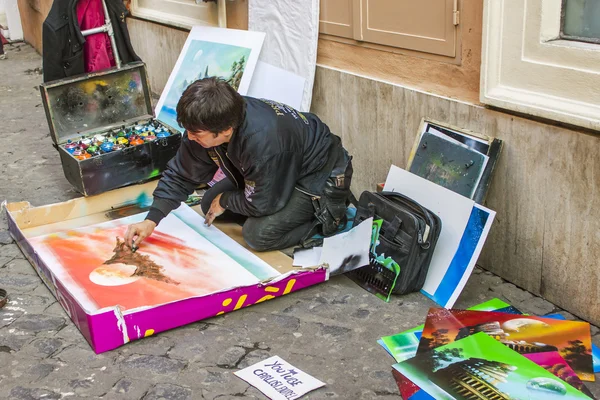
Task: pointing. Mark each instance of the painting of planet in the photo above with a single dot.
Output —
(523, 334)
(181, 259)
(479, 367)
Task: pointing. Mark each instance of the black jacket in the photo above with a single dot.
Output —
(62, 52)
(275, 151)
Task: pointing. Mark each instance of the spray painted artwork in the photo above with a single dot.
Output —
(479, 367)
(210, 52)
(524, 334)
(176, 262)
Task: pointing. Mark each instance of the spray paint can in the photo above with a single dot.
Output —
(135, 140)
(71, 147)
(112, 139)
(117, 147)
(81, 154)
(122, 141)
(163, 134)
(149, 138)
(107, 147)
(92, 150)
(85, 143)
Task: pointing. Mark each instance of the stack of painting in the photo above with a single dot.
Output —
(493, 351)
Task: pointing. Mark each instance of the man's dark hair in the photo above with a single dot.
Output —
(210, 104)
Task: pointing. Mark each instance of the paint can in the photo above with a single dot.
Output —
(81, 154)
(135, 140)
(71, 147)
(163, 134)
(92, 150)
(118, 147)
(123, 141)
(149, 138)
(107, 147)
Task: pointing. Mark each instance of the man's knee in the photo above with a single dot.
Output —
(260, 235)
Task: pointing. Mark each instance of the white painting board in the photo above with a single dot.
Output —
(272, 83)
(210, 51)
(292, 29)
(453, 209)
(349, 250)
(278, 379)
(174, 263)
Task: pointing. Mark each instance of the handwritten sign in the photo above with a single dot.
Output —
(278, 379)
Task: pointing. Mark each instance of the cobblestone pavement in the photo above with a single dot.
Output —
(329, 331)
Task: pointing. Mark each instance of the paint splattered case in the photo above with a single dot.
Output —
(97, 103)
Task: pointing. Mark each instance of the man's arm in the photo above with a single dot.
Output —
(269, 183)
(190, 167)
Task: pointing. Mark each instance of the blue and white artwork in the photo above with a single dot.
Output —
(465, 226)
(225, 53)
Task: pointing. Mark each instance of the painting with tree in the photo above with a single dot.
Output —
(210, 52)
(176, 263)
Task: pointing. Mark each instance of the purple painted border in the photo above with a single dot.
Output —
(104, 331)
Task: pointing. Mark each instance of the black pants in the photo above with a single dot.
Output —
(283, 229)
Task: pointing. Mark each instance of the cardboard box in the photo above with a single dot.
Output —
(106, 102)
(111, 327)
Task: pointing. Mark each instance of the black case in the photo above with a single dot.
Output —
(97, 103)
(408, 235)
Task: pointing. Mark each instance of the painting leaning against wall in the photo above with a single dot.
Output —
(210, 52)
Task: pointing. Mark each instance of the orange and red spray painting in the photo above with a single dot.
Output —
(175, 263)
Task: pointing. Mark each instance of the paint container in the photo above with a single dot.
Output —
(149, 138)
(92, 150)
(81, 154)
(118, 146)
(123, 141)
(107, 147)
(71, 147)
(135, 140)
(112, 139)
(120, 134)
(85, 143)
(163, 134)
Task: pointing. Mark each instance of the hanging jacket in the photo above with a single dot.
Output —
(97, 50)
(63, 43)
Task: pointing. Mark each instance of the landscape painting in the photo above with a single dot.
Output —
(174, 263)
(479, 367)
(524, 334)
(210, 52)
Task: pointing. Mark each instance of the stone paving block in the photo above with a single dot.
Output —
(11, 251)
(157, 345)
(5, 237)
(22, 393)
(127, 388)
(168, 391)
(20, 266)
(19, 283)
(536, 306)
(141, 365)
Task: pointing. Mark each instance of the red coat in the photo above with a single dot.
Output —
(97, 51)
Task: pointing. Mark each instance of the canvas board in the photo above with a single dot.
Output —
(277, 84)
(178, 261)
(450, 268)
(227, 53)
(524, 334)
(479, 364)
(448, 163)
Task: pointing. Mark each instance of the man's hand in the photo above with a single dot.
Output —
(136, 233)
(215, 211)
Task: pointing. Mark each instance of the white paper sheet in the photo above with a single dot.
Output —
(292, 29)
(307, 258)
(453, 209)
(272, 83)
(349, 250)
(278, 379)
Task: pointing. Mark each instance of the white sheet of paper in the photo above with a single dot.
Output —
(273, 83)
(453, 209)
(278, 379)
(307, 258)
(349, 250)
